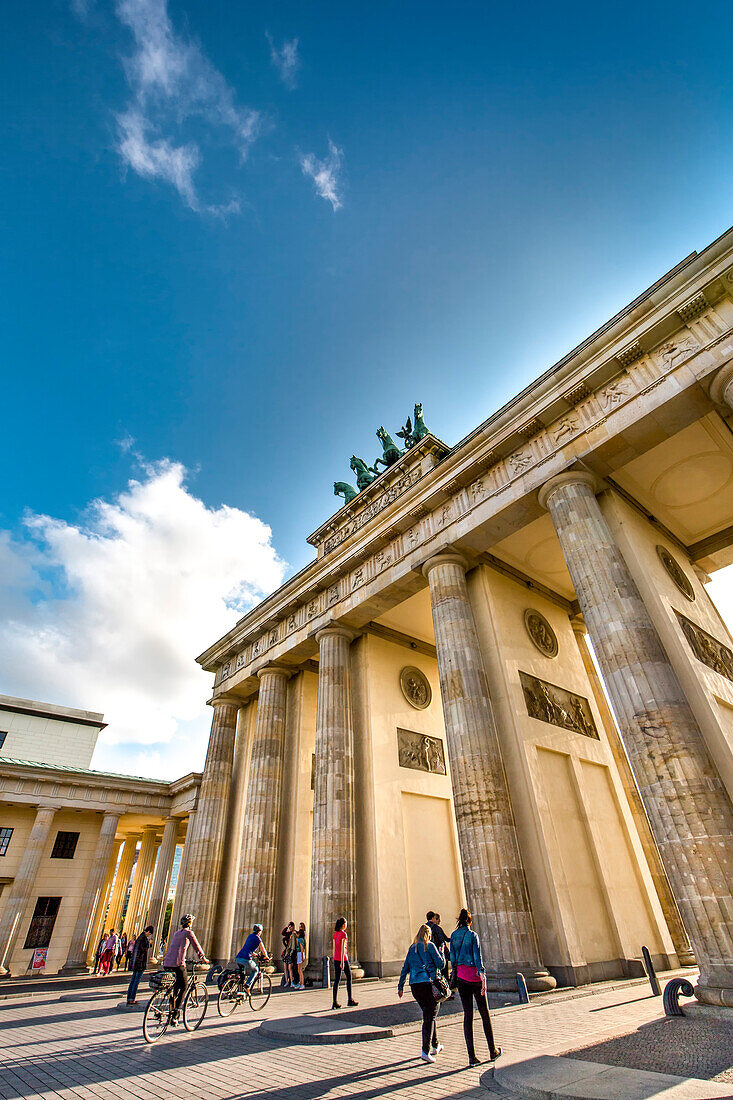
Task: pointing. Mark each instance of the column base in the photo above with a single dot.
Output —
(75, 968)
(538, 981)
(696, 1011)
(686, 958)
(714, 995)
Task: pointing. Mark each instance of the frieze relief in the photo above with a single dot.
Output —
(420, 752)
(383, 501)
(557, 706)
(706, 648)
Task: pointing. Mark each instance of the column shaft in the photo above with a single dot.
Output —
(103, 903)
(182, 872)
(201, 886)
(688, 807)
(494, 878)
(155, 914)
(122, 881)
(261, 834)
(22, 888)
(81, 936)
(141, 880)
(333, 870)
(224, 923)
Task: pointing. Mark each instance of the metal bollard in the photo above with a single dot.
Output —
(522, 990)
(325, 972)
(651, 972)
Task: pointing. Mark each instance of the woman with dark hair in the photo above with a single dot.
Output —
(422, 962)
(468, 966)
(341, 963)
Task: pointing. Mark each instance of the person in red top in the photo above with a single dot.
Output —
(341, 962)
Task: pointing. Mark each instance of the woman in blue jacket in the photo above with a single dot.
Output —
(422, 963)
(468, 966)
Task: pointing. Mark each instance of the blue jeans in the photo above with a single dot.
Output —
(251, 967)
(134, 983)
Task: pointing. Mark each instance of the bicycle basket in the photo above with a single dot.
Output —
(161, 979)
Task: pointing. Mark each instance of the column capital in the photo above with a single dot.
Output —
(274, 670)
(336, 630)
(225, 699)
(568, 477)
(445, 557)
(721, 387)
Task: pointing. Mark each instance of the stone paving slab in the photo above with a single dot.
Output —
(556, 1078)
(322, 1029)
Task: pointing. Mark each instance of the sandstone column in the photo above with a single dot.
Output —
(22, 888)
(721, 388)
(102, 904)
(86, 918)
(140, 880)
(224, 923)
(161, 881)
(201, 885)
(182, 872)
(672, 916)
(261, 834)
(333, 870)
(496, 888)
(122, 881)
(688, 807)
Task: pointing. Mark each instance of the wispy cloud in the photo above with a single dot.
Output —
(325, 173)
(285, 59)
(172, 82)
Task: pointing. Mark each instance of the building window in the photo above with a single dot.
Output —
(3, 735)
(41, 926)
(64, 845)
(5, 835)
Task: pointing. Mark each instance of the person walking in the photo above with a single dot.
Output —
(468, 968)
(175, 960)
(98, 953)
(442, 942)
(119, 951)
(128, 953)
(301, 955)
(287, 952)
(422, 962)
(341, 964)
(121, 957)
(109, 951)
(139, 962)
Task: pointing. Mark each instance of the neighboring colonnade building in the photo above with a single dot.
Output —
(415, 720)
(74, 841)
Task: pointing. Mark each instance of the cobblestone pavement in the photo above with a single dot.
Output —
(84, 1049)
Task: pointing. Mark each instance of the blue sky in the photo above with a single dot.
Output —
(244, 251)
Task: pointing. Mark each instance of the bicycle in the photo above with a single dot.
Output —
(159, 1009)
(233, 990)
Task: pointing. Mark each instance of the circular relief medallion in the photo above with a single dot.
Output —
(676, 573)
(541, 632)
(416, 687)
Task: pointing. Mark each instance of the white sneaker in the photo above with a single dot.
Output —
(436, 1050)
(427, 1057)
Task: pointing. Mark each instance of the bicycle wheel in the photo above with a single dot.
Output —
(195, 1004)
(259, 992)
(229, 997)
(157, 1016)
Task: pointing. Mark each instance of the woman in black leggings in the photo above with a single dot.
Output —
(465, 956)
(341, 964)
(422, 963)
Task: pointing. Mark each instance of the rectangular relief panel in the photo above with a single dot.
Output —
(420, 752)
(707, 648)
(549, 703)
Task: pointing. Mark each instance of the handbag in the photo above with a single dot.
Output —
(454, 971)
(439, 987)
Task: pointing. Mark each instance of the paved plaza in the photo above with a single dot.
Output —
(79, 1046)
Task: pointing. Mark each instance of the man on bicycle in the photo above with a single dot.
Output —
(175, 959)
(251, 947)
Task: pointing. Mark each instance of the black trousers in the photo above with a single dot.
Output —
(338, 970)
(470, 991)
(423, 994)
(179, 985)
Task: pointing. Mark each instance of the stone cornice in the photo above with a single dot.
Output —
(29, 782)
(523, 445)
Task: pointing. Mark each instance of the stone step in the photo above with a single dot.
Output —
(549, 1077)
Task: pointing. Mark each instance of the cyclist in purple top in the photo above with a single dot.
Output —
(175, 959)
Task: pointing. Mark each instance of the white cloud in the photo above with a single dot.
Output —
(285, 59)
(109, 614)
(172, 82)
(325, 173)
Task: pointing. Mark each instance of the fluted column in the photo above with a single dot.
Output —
(224, 924)
(122, 881)
(23, 883)
(182, 872)
(103, 903)
(494, 878)
(721, 388)
(256, 893)
(688, 807)
(161, 881)
(85, 921)
(201, 885)
(140, 880)
(333, 870)
(671, 912)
